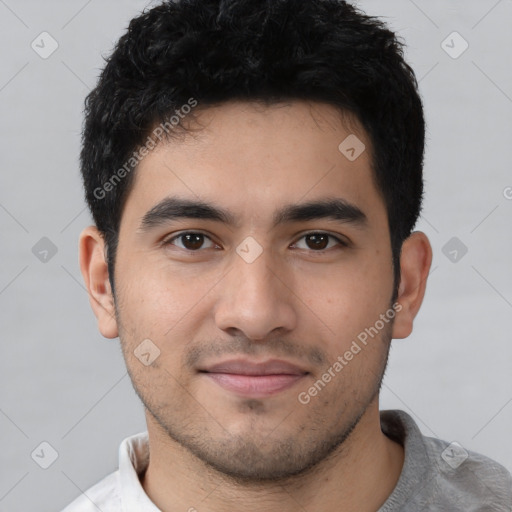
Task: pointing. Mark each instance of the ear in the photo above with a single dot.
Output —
(415, 261)
(95, 273)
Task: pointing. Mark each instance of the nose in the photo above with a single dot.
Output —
(256, 299)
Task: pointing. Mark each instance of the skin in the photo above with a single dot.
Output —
(210, 447)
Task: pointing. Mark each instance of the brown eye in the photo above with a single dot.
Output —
(190, 241)
(319, 241)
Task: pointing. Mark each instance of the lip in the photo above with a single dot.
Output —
(246, 367)
(254, 379)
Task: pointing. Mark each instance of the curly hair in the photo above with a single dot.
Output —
(255, 50)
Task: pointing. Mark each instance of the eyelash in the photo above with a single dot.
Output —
(179, 235)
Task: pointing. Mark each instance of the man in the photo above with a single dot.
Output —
(254, 170)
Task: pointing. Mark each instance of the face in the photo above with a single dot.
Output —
(255, 301)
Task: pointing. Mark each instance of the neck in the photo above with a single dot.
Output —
(360, 475)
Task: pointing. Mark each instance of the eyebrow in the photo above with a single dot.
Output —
(175, 208)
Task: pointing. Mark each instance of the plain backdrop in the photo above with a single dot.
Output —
(63, 384)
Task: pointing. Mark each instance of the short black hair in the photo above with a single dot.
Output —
(213, 51)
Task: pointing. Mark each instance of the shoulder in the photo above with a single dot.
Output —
(438, 475)
(104, 496)
(469, 477)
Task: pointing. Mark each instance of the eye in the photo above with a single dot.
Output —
(190, 241)
(319, 241)
(193, 241)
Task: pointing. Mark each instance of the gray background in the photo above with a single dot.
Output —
(62, 383)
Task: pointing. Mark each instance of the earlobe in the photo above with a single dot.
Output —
(415, 261)
(95, 274)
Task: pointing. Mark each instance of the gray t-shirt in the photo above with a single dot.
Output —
(443, 477)
(436, 477)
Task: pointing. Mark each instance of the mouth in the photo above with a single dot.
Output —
(254, 379)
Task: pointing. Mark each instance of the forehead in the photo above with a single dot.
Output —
(252, 158)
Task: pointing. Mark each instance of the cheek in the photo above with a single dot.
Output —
(155, 296)
(347, 298)
(350, 306)
(164, 306)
